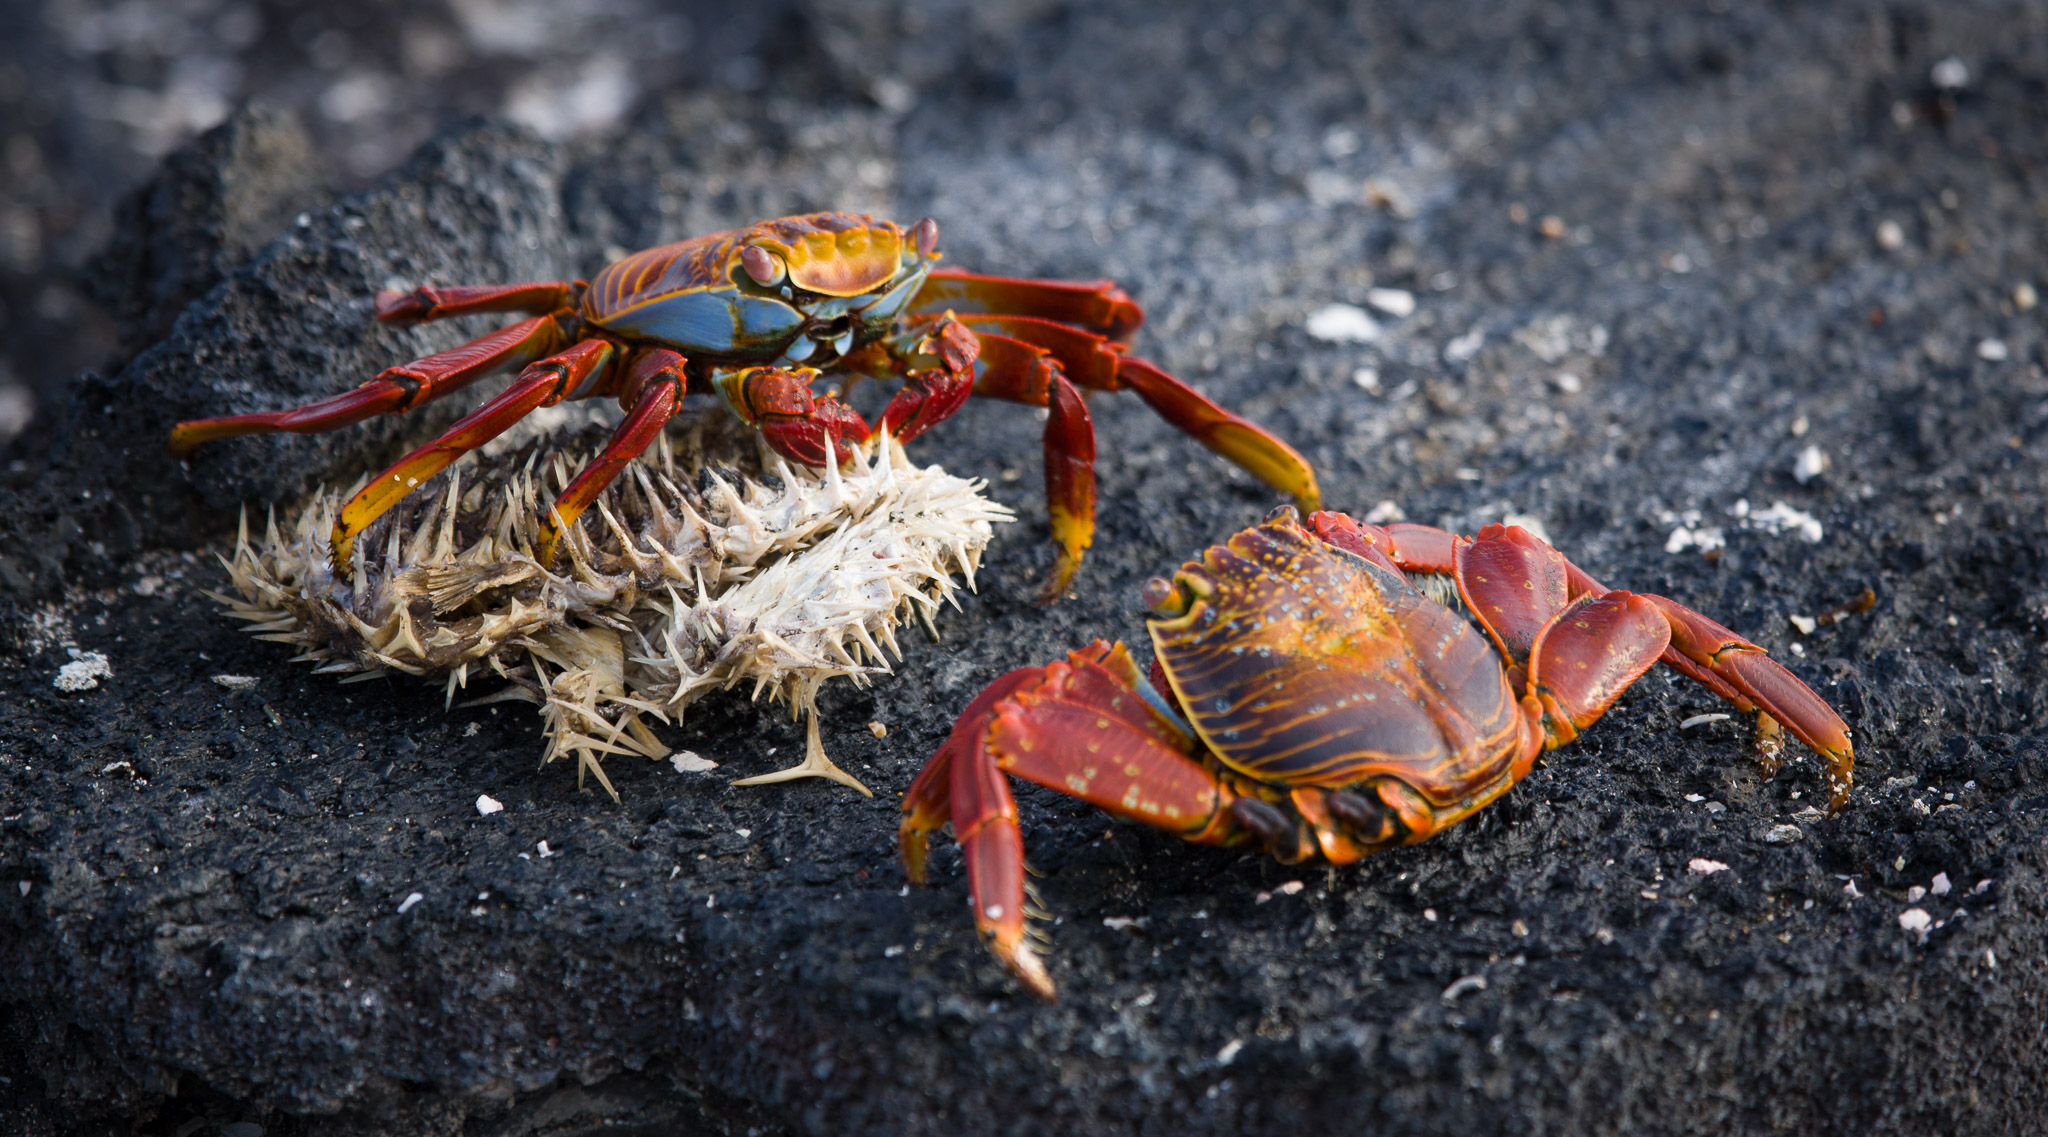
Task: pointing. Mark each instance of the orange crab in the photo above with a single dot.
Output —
(759, 316)
(1307, 698)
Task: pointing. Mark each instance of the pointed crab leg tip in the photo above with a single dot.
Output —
(1029, 970)
(913, 850)
(1062, 581)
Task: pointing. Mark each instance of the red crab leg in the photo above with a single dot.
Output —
(655, 385)
(563, 375)
(1079, 727)
(398, 389)
(1020, 373)
(1092, 362)
(1748, 677)
(539, 298)
(1100, 306)
(1409, 548)
(928, 803)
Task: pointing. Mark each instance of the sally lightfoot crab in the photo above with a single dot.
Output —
(1308, 699)
(758, 316)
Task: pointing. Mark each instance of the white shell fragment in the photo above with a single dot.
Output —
(1393, 301)
(1780, 518)
(1811, 463)
(236, 682)
(487, 805)
(83, 673)
(1462, 348)
(690, 762)
(710, 564)
(1915, 920)
(1992, 350)
(1701, 866)
(1342, 323)
(1464, 986)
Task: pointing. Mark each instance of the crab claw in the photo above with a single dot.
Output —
(933, 393)
(800, 426)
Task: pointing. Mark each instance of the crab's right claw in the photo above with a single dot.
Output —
(801, 426)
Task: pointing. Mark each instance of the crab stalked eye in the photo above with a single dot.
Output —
(1164, 599)
(926, 232)
(762, 265)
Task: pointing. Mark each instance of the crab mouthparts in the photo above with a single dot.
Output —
(834, 336)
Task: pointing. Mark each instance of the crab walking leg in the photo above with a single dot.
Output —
(1069, 483)
(1021, 373)
(543, 384)
(1100, 306)
(1251, 447)
(538, 298)
(927, 804)
(1080, 727)
(654, 385)
(1091, 362)
(1515, 583)
(1748, 677)
(397, 390)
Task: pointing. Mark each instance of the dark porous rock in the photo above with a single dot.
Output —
(214, 203)
(1737, 274)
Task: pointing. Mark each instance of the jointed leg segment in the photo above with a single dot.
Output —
(653, 387)
(397, 390)
(1081, 727)
(542, 384)
(538, 298)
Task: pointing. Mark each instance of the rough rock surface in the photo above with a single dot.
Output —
(1776, 228)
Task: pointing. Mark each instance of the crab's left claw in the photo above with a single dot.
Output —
(798, 424)
(939, 385)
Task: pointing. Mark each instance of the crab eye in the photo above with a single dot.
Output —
(761, 265)
(1163, 598)
(927, 234)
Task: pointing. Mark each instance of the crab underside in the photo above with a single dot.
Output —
(713, 564)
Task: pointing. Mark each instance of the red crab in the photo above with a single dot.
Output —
(1308, 699)
(758, 315)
